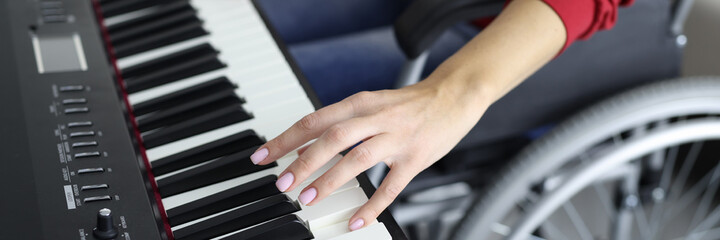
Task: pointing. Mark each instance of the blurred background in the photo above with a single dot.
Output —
(578, 219)
(702, 53)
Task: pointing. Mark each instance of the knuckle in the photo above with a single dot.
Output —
(361, 99)
(277, 143)
(387, 111)
(363, 155)
(302, 163)
(337, 133)
(327, 182)
(392, 191)
(373, 212)
(363, 96)
(309, 122)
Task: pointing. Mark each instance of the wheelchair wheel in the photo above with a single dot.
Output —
(642, 165)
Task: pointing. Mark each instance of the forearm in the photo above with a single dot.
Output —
(525, 36)
(410, 128)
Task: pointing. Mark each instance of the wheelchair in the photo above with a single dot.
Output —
(642, 164)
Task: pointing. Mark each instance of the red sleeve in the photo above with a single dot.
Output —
(582, 18)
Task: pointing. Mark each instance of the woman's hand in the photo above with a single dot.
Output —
(410, 128)
(407, 129)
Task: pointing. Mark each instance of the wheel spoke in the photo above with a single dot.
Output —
(553, 232)
(712, 234)
(577, 221)
(630, 187)
(669, 166)
(706, 199)
(709, 222)
(603, 194)
(665, 178)
(677, 188)
(500, 229)
(617, 139)
(641, 218)
(622, 225)
(690, 195)
(604, 197)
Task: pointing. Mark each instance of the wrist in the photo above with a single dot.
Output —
(471, 88)
(462, 92)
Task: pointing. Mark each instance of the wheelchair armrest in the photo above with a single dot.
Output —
(424, 21)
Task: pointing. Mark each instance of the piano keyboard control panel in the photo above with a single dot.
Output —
(72, 170)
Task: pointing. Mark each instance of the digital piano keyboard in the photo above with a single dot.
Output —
(135, 119)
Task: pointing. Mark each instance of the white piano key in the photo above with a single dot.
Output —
(259, 100)
(333, 209)
(331, 231)
(221, 4)
(145, 56)
(376, 231)
(334, 230)
(175, 86)
(231, 16)
(254, 52)
(353, 183)
(129, 16)
(180, 171)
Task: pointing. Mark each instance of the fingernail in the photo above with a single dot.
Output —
(357, 224)
(284, 182)
(307, 196)
(258, 156)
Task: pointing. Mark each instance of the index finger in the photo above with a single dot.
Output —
(309, 127)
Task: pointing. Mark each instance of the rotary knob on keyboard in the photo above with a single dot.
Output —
(105, 227)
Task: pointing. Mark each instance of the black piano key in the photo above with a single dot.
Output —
(186, 95)
(160, 12)
(168, 60)
(159, 39)
(139, 31)
(114, 8)
(240, 218)
(288, 227)
(233, 197)
(221, 147)
(221, 169)
(187, 111)
(210, 121)
(186, 69)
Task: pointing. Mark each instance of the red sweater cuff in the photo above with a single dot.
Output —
(582, 18)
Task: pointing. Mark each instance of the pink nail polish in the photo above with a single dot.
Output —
(307, 196)
(357, 224)
(258, 156)
(284, 182)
